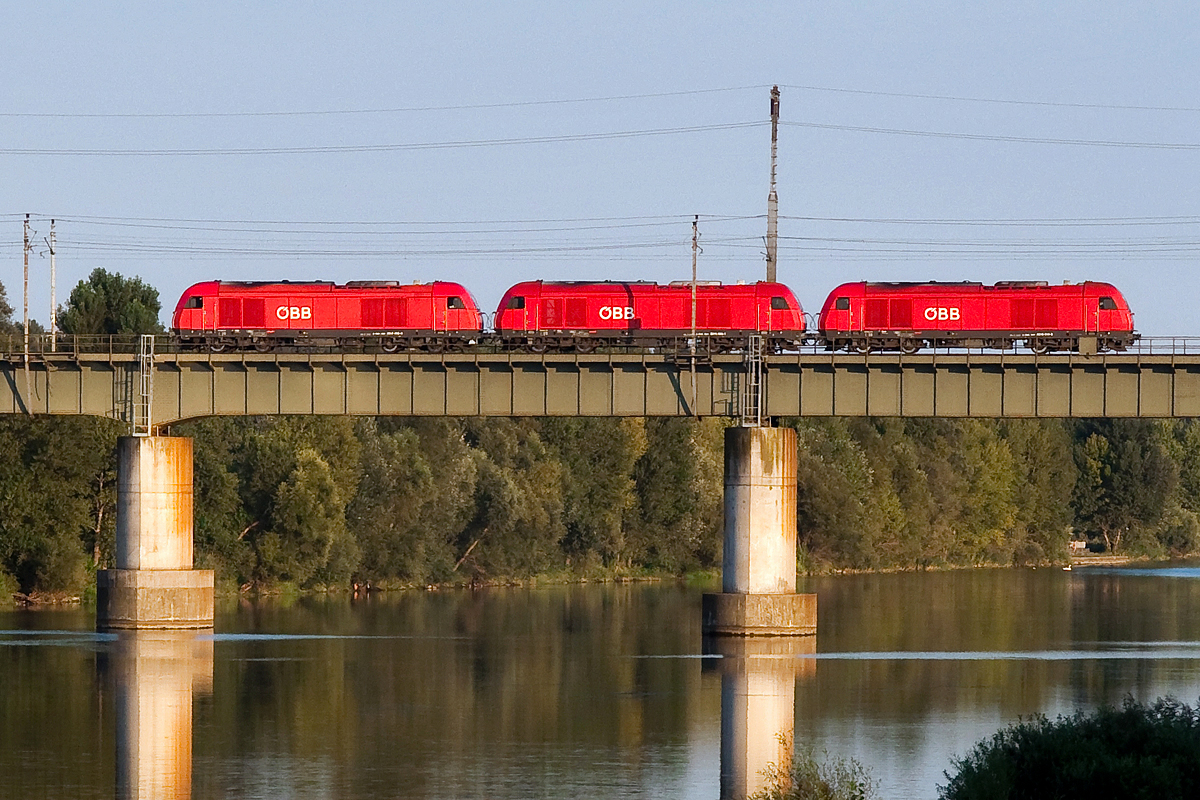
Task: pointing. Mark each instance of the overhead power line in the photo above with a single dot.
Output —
(995, 100)
(1032, 222)
(378, 148)
(360, 111)
(987, 137)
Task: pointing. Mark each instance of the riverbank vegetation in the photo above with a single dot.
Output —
(1136, 751)
(332, 501)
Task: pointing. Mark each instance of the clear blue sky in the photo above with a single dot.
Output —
(606, 208)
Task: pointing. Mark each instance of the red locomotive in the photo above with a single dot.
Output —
(541, 315)
(581, 316)
(904, 316)
(430, 316)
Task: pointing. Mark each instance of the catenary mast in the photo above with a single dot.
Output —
(772, 198)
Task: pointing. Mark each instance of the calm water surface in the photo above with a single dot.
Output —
(575, 692)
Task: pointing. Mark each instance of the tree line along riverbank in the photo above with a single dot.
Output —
(327, 501)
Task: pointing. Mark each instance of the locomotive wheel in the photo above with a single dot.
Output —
(262, 346)
(861, 346)
(217, 346)
(538, 346)
(1039, 347)
(910, 346)
(435, 346)
(389, 346)
(585, 345)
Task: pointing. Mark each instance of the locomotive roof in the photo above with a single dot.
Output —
(959, 284)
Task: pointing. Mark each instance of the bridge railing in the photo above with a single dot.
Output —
(12, 346)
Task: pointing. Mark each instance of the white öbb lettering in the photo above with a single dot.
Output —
(942, 314)
(616, 312)
(293, 312)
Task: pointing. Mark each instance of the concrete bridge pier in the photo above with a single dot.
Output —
(758, 575)
(154, 585)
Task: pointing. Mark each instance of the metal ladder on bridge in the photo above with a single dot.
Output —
(752, 393)
(144, 398)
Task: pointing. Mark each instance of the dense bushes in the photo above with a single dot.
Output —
(1135, 751)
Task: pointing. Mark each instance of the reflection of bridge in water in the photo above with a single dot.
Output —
(156, 676)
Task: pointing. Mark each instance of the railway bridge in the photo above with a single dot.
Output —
(156, 386)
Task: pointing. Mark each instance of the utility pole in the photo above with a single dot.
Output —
(772, 198)
(53, 310)
(25, 324)
(695, 250)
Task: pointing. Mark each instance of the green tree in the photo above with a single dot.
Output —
(308, 541)
(600, 493)
(7, 326)
(48, 504)
(679, 482)
(1126, 478)
(109, 303)
(221, 521)
(271, 474)
(847, 512)
(387, 512)
(1045, 477)
(517, 528)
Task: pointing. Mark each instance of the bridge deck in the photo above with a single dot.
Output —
(941, 384)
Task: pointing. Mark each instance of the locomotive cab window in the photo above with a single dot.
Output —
(842, 304)
(1108, 304)
(516, 302)
(779, 304)
(194, 302)
(455, 302)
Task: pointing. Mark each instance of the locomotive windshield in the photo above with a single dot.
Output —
(779, 303)
(842, 304)
(1108, 304)
(455, 302)
(516, 302)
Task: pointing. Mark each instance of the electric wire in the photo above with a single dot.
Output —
(987, 137)
(383, 148)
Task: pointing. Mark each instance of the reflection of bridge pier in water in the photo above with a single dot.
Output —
(155, 675)
(758, 705)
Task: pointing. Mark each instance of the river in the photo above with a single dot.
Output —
(582, 691)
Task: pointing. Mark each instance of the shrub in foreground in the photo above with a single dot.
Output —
(810, 779)
(1135, 751)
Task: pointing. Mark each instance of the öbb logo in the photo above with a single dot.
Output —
(616, 312)
(942, 314)
(293, 312)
